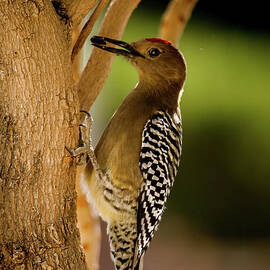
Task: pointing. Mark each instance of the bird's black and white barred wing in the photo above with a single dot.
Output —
(159, 161)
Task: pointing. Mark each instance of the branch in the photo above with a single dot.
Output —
(175, 19)
(78, 9)
(99, 64)
(88, 28)
(78, 61)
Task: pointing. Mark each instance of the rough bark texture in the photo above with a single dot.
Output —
(38, 118)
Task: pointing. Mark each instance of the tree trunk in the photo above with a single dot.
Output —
(38, 118)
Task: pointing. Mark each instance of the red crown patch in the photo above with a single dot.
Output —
(158, 40)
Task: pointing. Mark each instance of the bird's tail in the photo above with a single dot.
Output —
(122, 238)
(139, 265)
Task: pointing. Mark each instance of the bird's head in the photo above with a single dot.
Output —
(157, 60)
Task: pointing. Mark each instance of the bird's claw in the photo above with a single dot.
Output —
(85, 130)
(71, 151)
(85, 151)
(81, 153)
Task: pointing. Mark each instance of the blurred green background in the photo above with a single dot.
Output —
(223, 186)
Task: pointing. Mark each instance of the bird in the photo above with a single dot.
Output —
(139, 150)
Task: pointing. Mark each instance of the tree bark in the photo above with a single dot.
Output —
(38, 118)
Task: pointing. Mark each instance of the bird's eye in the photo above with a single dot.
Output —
(154, 52)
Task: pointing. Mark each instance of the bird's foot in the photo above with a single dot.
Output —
(85, 149)
(79, 154)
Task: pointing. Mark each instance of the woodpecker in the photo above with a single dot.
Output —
(139, 151)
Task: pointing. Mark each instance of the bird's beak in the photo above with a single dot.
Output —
(103, 43)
